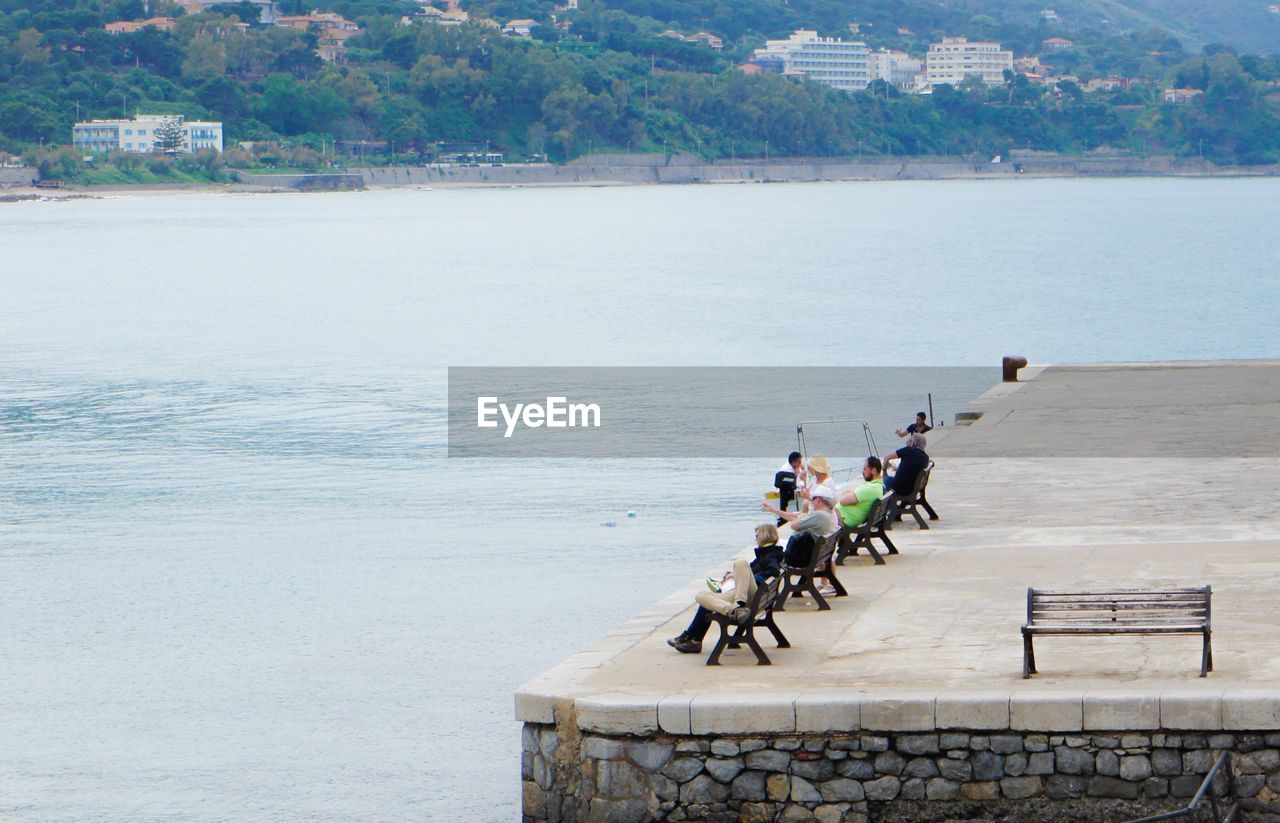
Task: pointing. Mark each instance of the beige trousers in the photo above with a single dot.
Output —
(725, 602)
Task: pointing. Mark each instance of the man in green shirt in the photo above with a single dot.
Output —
(855, 504)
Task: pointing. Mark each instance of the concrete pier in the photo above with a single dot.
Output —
(890, 706)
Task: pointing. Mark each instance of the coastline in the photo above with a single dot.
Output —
(643, 170)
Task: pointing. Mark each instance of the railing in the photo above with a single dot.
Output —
(1206, 790)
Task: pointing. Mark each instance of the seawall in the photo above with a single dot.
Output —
(684, 169)
(905, 700)
(303, 182)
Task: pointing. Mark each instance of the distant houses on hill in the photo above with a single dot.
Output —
(332, 30)
(849, 65)
(852, 66)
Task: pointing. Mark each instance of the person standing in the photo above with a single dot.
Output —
(785, 480)
(918, 427)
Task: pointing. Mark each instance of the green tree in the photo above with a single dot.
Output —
(170, 137)
(206, 58)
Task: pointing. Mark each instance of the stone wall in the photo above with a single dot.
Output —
(865, 776)
(304, 182)
(653, 169)
(24, 176)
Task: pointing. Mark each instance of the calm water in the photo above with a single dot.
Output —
(240, 579)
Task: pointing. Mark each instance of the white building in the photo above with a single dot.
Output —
(522, 27)
(955, 58)
(896, 67)
(139, 134)
(827, 60)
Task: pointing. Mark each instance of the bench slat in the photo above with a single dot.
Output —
(1119, 629)
(1125, 593)
(1113, 605)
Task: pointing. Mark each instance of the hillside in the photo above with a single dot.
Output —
(603, 77)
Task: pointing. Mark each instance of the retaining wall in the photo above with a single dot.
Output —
(304, 182)
(18, 177)
(1097, 757)
(650, 169)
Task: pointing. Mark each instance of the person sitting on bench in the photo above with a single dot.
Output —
(913, 459)
(808, 529)
(855, 502)
(733, 602)
(819, 477)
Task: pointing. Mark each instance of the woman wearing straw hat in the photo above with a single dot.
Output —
(819, 478)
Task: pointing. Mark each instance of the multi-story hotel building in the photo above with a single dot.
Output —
(139, 134)
(830, 61)
(896, 67)
(955, 58)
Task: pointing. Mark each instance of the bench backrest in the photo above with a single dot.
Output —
(878, 515)
(922, 480)
(766, 595)
(1153, 607)
(826, 548)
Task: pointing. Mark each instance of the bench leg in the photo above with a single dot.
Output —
(1206, 657)
(915, 512)
(823, 605)
(721, 642)
(865, 542)
(888, 544)
(844, 549)
(778, 636)
(762, 659)
(933, 515)
(1028, 657)
(830, 577)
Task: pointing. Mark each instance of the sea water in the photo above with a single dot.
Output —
(241, 580)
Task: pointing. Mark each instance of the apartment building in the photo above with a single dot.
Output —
(896, 67)
(139, 134)
(840, 64)
(955, 58)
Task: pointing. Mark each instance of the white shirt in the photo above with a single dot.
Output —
(813, 486)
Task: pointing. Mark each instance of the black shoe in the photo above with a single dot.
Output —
(677, 640)
(740, 615)
(781, 520)
(687, 646)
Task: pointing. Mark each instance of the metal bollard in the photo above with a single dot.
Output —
(1011, 366)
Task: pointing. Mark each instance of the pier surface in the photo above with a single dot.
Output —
(1109, 476)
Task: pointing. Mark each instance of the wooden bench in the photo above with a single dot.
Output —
(851, 538)
(801, 579)
(911, 504)
(762, 606)
(1123, 611)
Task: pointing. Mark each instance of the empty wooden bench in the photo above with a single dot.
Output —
(1122, 611)
(801, 579)
(762, 605)
(913, 502)
(850, 539)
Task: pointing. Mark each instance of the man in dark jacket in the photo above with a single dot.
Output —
(912, 460)
(733, 603)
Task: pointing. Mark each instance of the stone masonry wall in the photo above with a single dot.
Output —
(854, 776)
